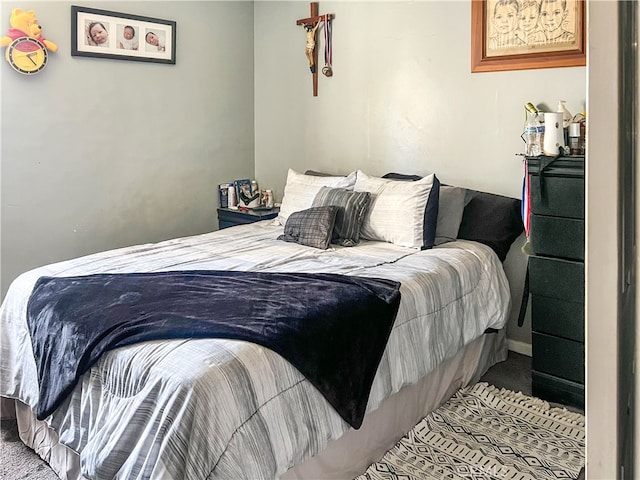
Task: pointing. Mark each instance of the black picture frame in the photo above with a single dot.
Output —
(121, 36)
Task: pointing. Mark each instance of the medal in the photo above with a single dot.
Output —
(327, 71)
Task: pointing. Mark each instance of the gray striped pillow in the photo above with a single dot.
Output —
(353, 207)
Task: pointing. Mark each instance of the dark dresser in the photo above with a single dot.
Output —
(556, 278)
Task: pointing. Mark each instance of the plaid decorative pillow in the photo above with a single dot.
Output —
(312, 227)
(353, 207)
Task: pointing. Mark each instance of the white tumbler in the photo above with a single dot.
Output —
(553, 133)
(232, 199)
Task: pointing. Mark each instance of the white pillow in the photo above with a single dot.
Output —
(301, 189)
(396, 211)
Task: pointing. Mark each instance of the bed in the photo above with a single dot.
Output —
(222, 408)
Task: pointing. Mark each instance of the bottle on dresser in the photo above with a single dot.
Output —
(533, 131)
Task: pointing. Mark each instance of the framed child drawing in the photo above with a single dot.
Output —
(527, 34)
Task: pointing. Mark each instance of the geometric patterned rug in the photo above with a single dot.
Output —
(484, 432)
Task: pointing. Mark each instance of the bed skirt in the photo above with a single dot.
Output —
(351, 454)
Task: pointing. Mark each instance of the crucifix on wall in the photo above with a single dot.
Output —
(311, 26)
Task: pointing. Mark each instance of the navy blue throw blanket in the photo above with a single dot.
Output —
(332, 328)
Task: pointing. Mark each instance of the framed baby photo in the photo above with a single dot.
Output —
(527, 34)
(122, 36)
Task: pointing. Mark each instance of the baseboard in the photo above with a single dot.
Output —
(519, 347)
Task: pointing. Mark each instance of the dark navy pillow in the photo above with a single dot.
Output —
(494, 220)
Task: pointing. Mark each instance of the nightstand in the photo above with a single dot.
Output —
(229, 218)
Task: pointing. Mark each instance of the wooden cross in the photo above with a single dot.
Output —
(311, 24)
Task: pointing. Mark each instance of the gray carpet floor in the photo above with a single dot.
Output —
(19, 462)
(16, 460)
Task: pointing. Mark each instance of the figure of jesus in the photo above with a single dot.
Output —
(311, 44)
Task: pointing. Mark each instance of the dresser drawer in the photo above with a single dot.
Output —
(558, 196)
(558, 356)
(557, 278)
(557, 317)
(557, 236)
(559, 390)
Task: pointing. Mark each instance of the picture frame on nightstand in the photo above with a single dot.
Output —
(247, 195)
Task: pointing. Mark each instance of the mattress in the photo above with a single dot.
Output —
(212, 408)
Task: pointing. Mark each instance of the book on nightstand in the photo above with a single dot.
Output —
(223, 194)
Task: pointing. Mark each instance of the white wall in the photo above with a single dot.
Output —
(601, 243)
(98, 154)
(402, 98)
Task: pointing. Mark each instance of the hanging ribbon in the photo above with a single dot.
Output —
(526, 199)
(526, 248)
(327, 70)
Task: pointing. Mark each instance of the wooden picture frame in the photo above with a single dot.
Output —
(499, 44)
(121, 36)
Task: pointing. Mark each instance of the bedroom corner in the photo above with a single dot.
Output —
(100, 153)
(398, 101)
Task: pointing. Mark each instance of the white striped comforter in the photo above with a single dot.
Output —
(223, 409)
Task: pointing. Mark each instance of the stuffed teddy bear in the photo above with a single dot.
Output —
(25, 24)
